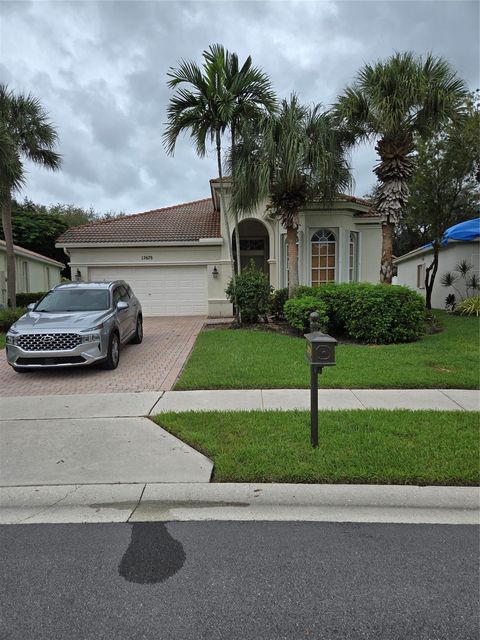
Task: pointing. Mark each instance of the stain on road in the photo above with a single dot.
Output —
(153, 555)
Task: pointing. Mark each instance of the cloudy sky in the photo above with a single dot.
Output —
(99, 68)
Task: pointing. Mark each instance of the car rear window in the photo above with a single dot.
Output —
(61, 300)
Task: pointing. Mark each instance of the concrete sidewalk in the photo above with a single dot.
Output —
(285, 399)
(93, 439)
(96, 458)
(121, 405)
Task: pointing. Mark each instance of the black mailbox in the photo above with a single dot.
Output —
(320, 353)
(320, 349)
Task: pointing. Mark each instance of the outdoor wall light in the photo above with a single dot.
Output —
(215, 272)
(78, 276)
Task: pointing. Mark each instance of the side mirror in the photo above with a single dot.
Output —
(31, 306)
(122, 305)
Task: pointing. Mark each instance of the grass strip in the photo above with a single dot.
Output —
(249, 359)
(360, 446)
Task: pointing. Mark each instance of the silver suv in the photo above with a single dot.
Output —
(76, 324)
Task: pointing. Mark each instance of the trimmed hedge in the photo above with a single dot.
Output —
(371, 313)
(297, 313)
(8, 317)
(23, 299)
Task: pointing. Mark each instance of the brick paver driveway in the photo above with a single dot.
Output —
(153, 365)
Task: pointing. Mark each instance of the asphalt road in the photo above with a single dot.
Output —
(239, 581)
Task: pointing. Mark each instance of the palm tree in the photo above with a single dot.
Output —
(392, 102)
(293, 157)
(218, 98)
(25, 134)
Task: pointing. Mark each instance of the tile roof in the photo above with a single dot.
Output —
(180, 223)
(21, 251)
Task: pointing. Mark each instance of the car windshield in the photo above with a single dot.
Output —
(60, 300)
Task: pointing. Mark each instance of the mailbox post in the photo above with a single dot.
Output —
(320, 352)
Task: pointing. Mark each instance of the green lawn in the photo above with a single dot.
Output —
(248, 359)
(2, 340)
(374, 447)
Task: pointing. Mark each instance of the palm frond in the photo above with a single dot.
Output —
(26, 128)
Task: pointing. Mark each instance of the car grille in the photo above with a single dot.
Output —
(50, 360)
(48, 341)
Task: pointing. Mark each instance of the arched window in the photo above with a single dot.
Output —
(353, 257)
(324, 246)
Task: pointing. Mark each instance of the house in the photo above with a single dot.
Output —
(34, 272)
(177, 260)
(460, 242)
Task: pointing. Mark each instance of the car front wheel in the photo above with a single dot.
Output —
(113, 355)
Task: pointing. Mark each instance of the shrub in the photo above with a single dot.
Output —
(470, 306)
(384, 314)
(8, 317)
(277, 302)
(252, 291)
(374, 313)
(23, 299)
(297, 313)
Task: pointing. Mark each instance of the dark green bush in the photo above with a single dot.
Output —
(373, 313)
(252, 291)
(277, 302)
(297, 313)
(8, 317)
(384, 314)
(23, 299)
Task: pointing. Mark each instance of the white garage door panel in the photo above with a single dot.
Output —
(163, 291)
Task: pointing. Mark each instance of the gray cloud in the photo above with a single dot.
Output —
(100, 69)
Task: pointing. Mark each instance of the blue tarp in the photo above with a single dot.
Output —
(468, 230)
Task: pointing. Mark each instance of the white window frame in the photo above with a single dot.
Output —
(421, 275)
(353, 256)
(326, 231)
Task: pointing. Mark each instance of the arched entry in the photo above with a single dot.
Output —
(254, 245)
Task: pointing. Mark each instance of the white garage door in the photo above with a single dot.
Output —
(163, 291)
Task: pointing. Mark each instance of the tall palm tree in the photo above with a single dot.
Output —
(25, 134)
(391, 103)
(293, 157)
(217, 98)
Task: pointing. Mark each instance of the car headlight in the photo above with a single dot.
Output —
(10, 338)
(91, 337)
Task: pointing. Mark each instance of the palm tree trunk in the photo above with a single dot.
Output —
(430, 273)
(394, 170)
(8, 234)
(386, 265)
(292, 261)
(225, 216)
(235, 214)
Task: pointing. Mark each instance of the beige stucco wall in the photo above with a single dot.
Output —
(83, 259)
(40, 276)
(449, 257)
(340, 219)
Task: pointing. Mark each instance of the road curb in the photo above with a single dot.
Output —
(273, 502)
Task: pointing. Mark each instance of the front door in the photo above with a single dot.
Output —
(253, 249)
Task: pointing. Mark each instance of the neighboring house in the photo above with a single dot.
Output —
(176, 259)
(34, 272)
(461, 242)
